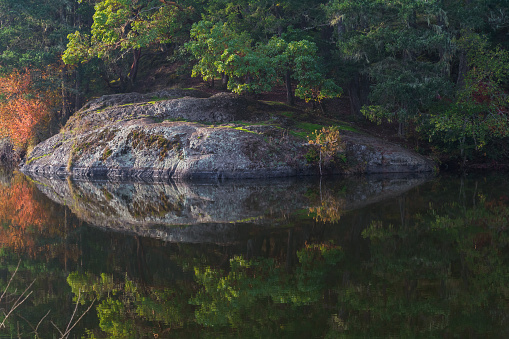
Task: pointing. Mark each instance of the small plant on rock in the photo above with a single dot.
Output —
(328, 146)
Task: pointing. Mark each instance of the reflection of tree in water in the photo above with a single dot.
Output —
(441, 273)
(261, 298)
(330, 209)
(446, 274)
(130, 309)
(29, 221)
(438, 274)
(41, 235)
(330, 205)
(20, 215)
(256, 297)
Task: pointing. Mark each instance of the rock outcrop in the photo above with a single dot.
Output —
(187, 135)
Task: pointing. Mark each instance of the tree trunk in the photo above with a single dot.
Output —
(442, 51)
(290, 97)
(133, 72)
(358, 90)
(224, 81)
(462, 70)
(401, 128)
(77, 84)
(65, 108)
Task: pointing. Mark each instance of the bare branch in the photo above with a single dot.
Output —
(10, 280)
(57, 329)
(74, 312)
(77, 321)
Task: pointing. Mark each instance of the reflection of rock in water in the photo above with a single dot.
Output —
(6, 175)
(213, 212)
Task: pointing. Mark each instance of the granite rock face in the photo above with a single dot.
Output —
(188, 135)
(168, 150)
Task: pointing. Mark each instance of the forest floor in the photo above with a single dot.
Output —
(336, 109)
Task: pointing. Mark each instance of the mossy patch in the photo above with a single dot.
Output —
(107, 195)
(141, 139)
(91, 141)
(277, 104)
(106, 153)
(287, 114)
(95, 140)
(37, 158)
(238, 128)
(303, 129)
(154, 100)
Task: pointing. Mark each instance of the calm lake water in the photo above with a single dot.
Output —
(372, 256)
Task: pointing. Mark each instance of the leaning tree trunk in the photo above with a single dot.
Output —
(133, 72)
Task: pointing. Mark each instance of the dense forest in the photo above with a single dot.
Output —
(436, 70)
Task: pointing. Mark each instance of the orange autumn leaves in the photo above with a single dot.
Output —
(20, 215)
(23, 108)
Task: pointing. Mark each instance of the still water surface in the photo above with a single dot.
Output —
(298, 258)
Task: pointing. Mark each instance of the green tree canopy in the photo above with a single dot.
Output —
(258, 67)
(125, 27)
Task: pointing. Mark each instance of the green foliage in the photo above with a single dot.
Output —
(220, 50)
(479, 113)
(312, 156)
(126, 27)
(410, 49)
(404, 48)
(31, 33)
(255, 67)
(260, 21)
(301, 58)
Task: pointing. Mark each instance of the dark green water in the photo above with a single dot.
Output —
(302, 258)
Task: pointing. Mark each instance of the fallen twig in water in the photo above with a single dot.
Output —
(21, 299)
(64, 335)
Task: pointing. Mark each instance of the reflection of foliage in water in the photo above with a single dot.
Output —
(35, 231)
(129, 310)
(26, 220)
(328, 205)
(442, 273)
(329, 211)
(244, 294)
(20, 215)
(258, 296)
(435, 277)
